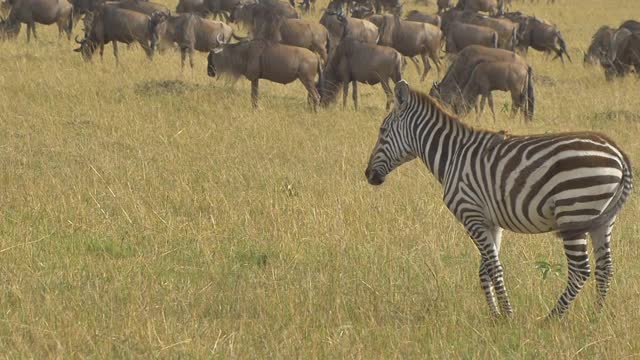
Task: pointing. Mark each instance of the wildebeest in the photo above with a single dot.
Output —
(307, 34)
(261, 59)
(253, 15)
(600, 43)
(449, 90)
(511, 76)
(507, 30)
(223, 9)
(273, 26)
(623, 53)
(146, 7)
(412, 38)
(490, 6)
(461, 35)
(113, 24)
(82, 7)
(355, 61)
(5, 7)
(359, 29)
(540, 35)
(417, 16)
(631, 25)
(444, 5)
(192, 32)
(193, 6)
(392, 6)
(44, 12)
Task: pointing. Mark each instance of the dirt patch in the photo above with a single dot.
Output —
(544, 80)
(164, 87)
(616, 115)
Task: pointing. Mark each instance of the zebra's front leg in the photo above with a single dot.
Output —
(487, 240)
(579, 270)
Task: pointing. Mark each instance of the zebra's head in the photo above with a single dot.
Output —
(393, 147)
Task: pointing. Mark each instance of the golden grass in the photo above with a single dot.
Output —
(149, 213)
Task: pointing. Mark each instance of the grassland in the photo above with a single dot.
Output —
(146, 212)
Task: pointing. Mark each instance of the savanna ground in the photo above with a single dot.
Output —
(150, 213)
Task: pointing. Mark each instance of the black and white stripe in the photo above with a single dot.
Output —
(573, 183)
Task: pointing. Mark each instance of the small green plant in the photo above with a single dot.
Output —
(547, 268)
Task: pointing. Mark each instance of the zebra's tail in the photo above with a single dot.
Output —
(618, 200)
(531, 99)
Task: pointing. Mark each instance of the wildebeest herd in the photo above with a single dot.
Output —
(366, 41)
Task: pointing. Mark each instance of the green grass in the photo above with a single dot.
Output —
(149, 213)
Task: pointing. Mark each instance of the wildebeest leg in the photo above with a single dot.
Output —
(28, 33)
(516, 103)
(254, 93)
(102, 50)
(558, 55)
(426, 64)
(489, 98)
(33, 29)
(416, 63)
(387, 92)
(183, 56)
(115, 52)
(345, 93)
(434, 56)
(313, 96)
(191, 57)
(355, 94)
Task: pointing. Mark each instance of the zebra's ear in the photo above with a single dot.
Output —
(401, 93)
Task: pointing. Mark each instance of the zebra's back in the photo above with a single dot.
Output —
(533, 184)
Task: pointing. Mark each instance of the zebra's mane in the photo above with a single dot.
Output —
(432, 102)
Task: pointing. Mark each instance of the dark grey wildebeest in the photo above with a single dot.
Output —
(113, 24)
(44, 12)
(261, 59)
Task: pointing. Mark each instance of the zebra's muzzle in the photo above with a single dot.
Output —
(373, 177)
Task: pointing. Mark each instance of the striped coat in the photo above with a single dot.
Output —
(571, 183)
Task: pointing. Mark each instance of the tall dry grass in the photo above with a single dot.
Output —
(147, 212)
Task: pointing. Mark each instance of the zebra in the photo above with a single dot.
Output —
(570, 183)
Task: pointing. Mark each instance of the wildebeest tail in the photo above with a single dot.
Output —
(328, 48)
(70, 22)
(320, 73)
(514, 39)
(531, 100)
(563, 46)
(397, 71)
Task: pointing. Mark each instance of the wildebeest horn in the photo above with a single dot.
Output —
(220, 39)
(76, 39)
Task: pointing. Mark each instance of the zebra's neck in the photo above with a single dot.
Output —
(439, 136)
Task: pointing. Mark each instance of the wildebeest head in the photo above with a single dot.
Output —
(362, 11)
(157, 18)
(227, 58)
(86, 49)
(8, 28)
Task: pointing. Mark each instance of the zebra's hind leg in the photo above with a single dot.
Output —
(487, 240)
(575, 248)
(601, 238)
